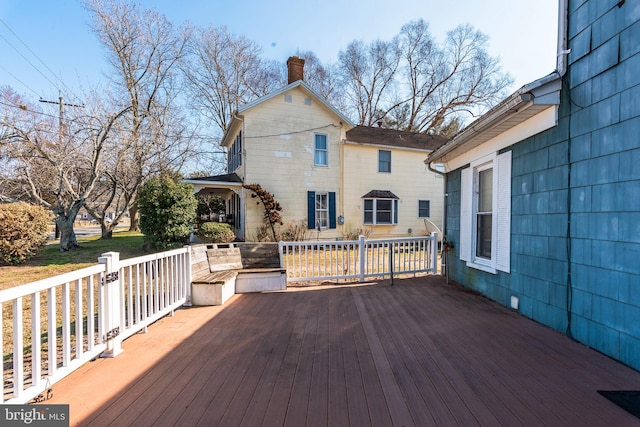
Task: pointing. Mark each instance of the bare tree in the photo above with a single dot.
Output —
(368, 74)
(443, 82)
(412, 83)
(322, 78)
(56, 168)
(143, 49)
(223, 70)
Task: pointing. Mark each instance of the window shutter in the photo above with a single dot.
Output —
(503, 220)
(311, 209)
(466, 193)
(332, 209)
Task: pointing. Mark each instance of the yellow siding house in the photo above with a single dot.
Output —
(335, 178)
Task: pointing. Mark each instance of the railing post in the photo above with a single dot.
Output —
(362, 253)
(188, 276)
(434, 252)
(112, 300)
(281, 253)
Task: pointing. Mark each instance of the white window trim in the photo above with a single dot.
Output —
(390, 160)
(326, 194)
(326, 150)
(395, 206)
(424, 200)
(501, 214)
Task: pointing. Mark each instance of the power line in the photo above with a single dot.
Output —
(30, 63)
(20, 81)
(117, 130)
(291, 133)
(37, 57)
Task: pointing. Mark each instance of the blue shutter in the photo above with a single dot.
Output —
(311, 209)
(332, 209)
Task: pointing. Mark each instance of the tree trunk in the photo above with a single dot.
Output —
(133, 217)
(68, 240)
(107, 231)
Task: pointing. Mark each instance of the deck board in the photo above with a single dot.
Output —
(420, 352)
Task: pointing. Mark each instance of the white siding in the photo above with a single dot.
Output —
(410, 180)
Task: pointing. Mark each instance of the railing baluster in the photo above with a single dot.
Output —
(130, 300)
(52, 345)
(36, 340)
(79, 321)
(91, 327)
(66, 320)
(18, 348)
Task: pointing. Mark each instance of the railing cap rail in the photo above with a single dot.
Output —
(49, 282)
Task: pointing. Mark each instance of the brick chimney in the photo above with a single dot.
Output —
(295, 66)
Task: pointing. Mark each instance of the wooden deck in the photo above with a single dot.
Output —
(419, 353)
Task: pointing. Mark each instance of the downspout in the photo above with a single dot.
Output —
(342, 186)
(443, 264)
(562, 58)
(561, 68)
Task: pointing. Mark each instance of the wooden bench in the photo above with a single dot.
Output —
(219, 271)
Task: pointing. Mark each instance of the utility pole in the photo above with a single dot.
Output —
(60, 132)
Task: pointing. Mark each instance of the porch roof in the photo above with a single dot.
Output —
(226, 181)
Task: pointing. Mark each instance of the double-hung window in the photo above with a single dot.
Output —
(384, 161)
(320, 157)
(424, 208)
(321, 209)
(485, 213)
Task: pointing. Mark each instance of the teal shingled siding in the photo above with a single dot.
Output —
(586, 169)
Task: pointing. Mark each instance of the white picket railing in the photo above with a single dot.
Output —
(55, 325)
(358, 259)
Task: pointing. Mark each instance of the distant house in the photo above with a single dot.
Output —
(336, 178)
(543, 191)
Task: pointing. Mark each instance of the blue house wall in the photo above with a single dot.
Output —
(575, 212)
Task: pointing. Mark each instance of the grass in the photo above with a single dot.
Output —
(50, 261)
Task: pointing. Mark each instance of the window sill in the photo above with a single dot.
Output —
(482, 267)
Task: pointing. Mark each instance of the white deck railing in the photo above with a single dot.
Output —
(359, 259)
(53, 326)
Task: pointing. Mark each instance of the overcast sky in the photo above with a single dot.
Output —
(46, 42)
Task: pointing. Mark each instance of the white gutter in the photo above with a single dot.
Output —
(519, 101)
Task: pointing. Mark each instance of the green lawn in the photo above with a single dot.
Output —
(50, 261)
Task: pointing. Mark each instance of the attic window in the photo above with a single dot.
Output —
(287, 98)
(307, 101)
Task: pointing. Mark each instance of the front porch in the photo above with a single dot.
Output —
(420, 352)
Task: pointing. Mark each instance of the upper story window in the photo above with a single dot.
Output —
(234, 155)
(424, 208)
(384, 161)
(485, 213)
(320, 157)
